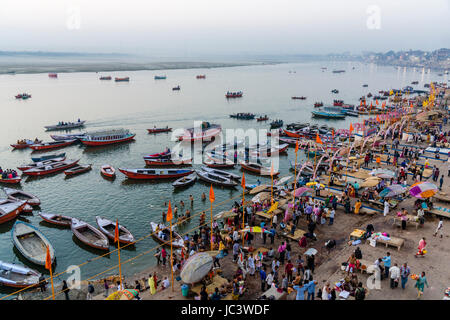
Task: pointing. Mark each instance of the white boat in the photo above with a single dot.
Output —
(18, 276)
(66, 125)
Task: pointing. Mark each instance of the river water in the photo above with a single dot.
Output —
(143, 103)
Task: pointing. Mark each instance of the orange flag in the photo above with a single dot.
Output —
(332, 133)
(211, 195)
(48, 259)
(116, 232)
(351, 128)
(376, 101)
(378, 119)
(318, 140)
(243, 181)
(169, 213)
(271, 170)
(296, 146)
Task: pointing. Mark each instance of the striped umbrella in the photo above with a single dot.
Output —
(383, 173)
(303, 191)
(423, 190)
(392, 190)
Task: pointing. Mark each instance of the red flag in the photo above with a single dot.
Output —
(351, 128)
(318, 140)
(296, 146)
(360, 103)
(48, 259)
(211, 195)
(169, 213)
(376, 101)
(243, 181)
(116, 232)
(378, 119)
(332, 133)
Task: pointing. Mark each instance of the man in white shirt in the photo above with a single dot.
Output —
(274, 220)
(269, 279)
(395, 275)
(439, 227)
(165, 283)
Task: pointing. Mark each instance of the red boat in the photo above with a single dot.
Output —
(158, 130)
(25, 143)
(256, 168)
(51, 168)
(201, 76)
(78, 169)
(167, 162)
(108, 171)
(10, 209)
(289, 141)
(338, 103)
(234, 94)
(268, 152)
(107, 137)
(207, 133)
(51, 145)
(122, 79)
(155, 173)
(292, 134)
(53, 75)
(161, 155)
(318, 104)
(299, 98)
(106, 78)
(11, 180)
(262, 118)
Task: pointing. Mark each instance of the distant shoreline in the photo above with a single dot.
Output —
(111, 66)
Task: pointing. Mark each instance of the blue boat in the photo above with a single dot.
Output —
(160, 77)
(49, 157)
(329, 113)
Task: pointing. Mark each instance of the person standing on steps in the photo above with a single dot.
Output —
(439, 228)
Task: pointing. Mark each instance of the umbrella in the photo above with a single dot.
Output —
(261, 197)
(254, 229)
(128, 294)
(383, 173)
(315, 184)
(225, 214)
(423, 190)
(258, 189)
(283, 180)
(303, 191)
(392, 190)
(196, 267)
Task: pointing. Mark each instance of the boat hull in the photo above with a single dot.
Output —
(159, 130)
(11, 181)
(104, 143)
(38, 147)
(50, 171)
(148, 176)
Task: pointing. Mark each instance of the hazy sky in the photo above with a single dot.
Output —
(194, 27)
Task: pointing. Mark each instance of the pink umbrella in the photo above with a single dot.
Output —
(303, 191)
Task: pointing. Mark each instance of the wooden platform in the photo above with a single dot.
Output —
(356, 234)
(441, 211)
(441, 196)
(411, 220)
(394, 242)
(217, 282)
(298, 233)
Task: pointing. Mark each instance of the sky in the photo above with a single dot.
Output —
(186, 28)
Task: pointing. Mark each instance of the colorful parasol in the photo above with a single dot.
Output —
(423, 190)
(392, 190)
(283, 181)
(383, 173)
(303, 191)
(315, 184)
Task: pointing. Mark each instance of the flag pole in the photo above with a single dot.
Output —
(120, 265)
(211, 200)
(243, 206)
(171, 253)
(295, 174)
(51, 280)
(48, 266)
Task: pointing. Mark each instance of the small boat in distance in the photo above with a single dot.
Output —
(234, 94)
(318, 104)
(53, 75)
(276, 124)
(23, 96)
(299, 98)
(108, 227)
(201, 76)
(257, 168)
(66, 125)
(335, 91)
(74, 136)
(176, 88)
(18, 276)
(125, 79)
(25, 143)
(106, 78)
(60, 220)
(31, 243)
(338, 71)
(89, 235)
(160, 77)
(158, 130)
(223, 173)
(51, 168)
(265, 118)
(108, 171)
(243, 116)
(102, 138)
(216, 179)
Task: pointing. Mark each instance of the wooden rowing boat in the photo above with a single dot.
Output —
(256, 168)
(61, 157)
(146, 174)
(25, 144)
(223, 173)
(11, 180)
(108, 227)
(18, 276)
(57, 219)
(10, 209)
(39, 164)
(216, 179)
(177, 240)
(165, 154)
(268, 152)
(51, 168)
(70, 125)
(158, 130)
(185, 181)
(219, 163)
(167, 162)
(108, 171)
(77, 169)
(19, 195)
(89, 235)
(31, 243)
(52, 145)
